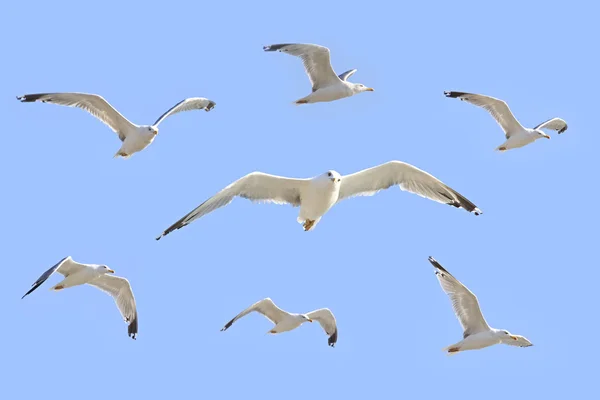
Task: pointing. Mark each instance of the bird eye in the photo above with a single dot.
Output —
(329, 174)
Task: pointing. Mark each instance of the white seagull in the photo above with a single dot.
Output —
(516, 135)
(285, 321)
(134, 137)
(317, 195)
(326, 84)
(96, 275)
(477, 333)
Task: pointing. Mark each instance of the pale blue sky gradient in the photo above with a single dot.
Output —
(530, 257)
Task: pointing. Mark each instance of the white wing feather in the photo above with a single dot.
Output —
(555, 124)
(496, 107)
(369, 181)
(256, 186)
(92, 103)
(316, 62)
(193, 103)
(464, 302)
(265, 307)
(120, 290)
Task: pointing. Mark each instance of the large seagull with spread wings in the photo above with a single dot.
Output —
(317, 195)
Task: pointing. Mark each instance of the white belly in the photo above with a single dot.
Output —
(329, 93)
(136, 142)
(519, 140)
(479, 341)
(286, 325)
(316, 202)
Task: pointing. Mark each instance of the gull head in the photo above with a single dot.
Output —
(359, 87)
(330, 176)
(153, 130)
(505, 335)
(305, 318)
(540, 134)
(105, 270)
(522, 341)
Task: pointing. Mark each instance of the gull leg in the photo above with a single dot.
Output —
(308, 224)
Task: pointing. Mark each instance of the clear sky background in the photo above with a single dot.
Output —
(530, 257)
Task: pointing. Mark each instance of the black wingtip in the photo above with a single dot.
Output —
(333, 339)
(436, 264)
(132, 329)
(453, 94)
(211, 105)
(275, 47)
(28, 98)
(227, 325)
(159, 237)
(563, 129)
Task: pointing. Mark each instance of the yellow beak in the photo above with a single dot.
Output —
(111, 271)
(370, 89)
(310, 320)
(514, 337)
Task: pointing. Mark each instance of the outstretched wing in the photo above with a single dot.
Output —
(193, 103)
(66, 266)
(266, 307)
(497, 108)
(256, 187)
(120, 290)
(556, 124)
(464, 302)
(345, 75)
(411, 179)
(315, 59)
(92, 103)
(325, 317)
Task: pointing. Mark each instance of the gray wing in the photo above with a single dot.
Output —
(464, 302)
(92, 103)
(266, 307)
(327, 320)
(256, 187)
(556, 124)
(344, 76)
(497, 108)
(66, 266)
(120, 290)
(315, 59)
(193, 103)
(411, 179)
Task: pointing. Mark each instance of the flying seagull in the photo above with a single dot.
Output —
(326, 84)
(317, 195)
(98, 276)
(477, 333)
(516, 135)
(134, 137)
(285, 321)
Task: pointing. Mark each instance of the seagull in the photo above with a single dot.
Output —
(96, 275)
(516, 135)
(317, 195)
(326, 84)
(134, 137)
(285, 321)
(477, 333)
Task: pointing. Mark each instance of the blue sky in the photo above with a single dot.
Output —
(529, 258)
